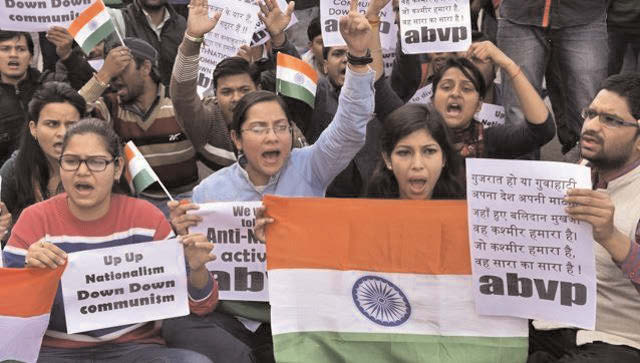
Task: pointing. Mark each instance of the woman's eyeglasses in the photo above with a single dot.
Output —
(93, 163)
(259, 130)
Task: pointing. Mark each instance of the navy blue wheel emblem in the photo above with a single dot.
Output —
(381, 301)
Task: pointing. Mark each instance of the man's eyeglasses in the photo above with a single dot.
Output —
(93, 163)
(606, 118)
(279, 130)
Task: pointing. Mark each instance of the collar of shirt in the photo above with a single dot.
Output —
(600, 182)
(132, 107)
(157, 28)
(242, 160)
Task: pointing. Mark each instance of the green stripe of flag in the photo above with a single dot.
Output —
(97, 36)
(295, 91)
(330, 347)
(142, 180)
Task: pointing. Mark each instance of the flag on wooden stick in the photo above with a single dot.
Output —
(92, 26)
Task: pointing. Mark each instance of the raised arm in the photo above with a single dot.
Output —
(202, 120)
(340, 142)
(533, 107)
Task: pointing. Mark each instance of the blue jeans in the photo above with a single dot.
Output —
(582, 55)
(121, 353)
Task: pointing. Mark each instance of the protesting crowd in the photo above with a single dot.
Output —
(111, 136)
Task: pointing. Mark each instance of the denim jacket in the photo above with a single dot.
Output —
(309, 170)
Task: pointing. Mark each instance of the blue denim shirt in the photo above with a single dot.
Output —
(309, 170)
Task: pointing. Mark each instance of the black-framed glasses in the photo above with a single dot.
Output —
(606, 119)
(260, 130)
(93, 163)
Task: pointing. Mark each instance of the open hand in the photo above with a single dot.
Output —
(273, 18)
(5, 220)
(199, 23)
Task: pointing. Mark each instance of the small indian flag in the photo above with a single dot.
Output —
(381, 281)
(91, 26)
(139, 173)
(26, 296)
(295, 78)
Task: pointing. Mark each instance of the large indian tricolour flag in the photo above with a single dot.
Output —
(26, 296)
(296, 78)
(378, 281)
(92, 26)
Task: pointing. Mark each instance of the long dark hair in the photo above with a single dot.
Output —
(403, 122)
(31, 167)
(467, 68)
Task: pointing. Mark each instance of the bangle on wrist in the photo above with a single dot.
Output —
(100, 82)
(192, 38)
(517, 74)
(360, 61)
(373, 20)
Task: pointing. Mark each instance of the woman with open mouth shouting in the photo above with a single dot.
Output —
(32, 173)
(418, 160)
(88, 216)
(457, 90)
(261, 132)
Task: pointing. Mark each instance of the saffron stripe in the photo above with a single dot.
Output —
(28, 291)
(298, 65)
(440, 246)
(86, 16)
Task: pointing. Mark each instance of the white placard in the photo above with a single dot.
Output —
(423, 95)
(429, 26)
(241, 264)
(490, 115)
(123, 285)
(388, 56)
(332, 10)
(39, 15)
(261, 35)
(529, 258)
(234, 29)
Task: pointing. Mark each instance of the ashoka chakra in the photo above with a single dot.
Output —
(298, 78)
(381, 301)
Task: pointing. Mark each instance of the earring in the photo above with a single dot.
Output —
(389, 167)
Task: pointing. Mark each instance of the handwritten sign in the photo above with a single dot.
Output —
(261, 36)
(241, 266)
(388, 56)
(234, 29)
(490, 115)
(39, 15)
(529, 258)
(423, 95)
(124, 285)
(332, 10)
(428, 26)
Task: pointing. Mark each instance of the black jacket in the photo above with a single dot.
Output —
(170, 38)
(14, 102)
(559, 13)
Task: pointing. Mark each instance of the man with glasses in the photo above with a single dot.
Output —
(610, 144)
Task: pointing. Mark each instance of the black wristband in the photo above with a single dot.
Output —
(360, 61)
